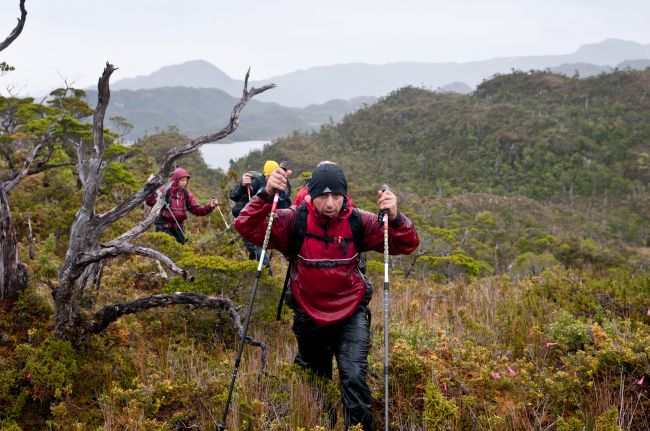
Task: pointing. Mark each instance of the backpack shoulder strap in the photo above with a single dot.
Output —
(356, 225)
(168, 198)
(299, 231)
(187, 200)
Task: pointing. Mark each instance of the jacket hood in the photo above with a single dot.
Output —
(178, 174)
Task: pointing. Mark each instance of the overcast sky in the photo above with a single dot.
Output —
(72, 39)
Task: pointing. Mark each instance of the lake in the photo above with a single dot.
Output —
(218, 155)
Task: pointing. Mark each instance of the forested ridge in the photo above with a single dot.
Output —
(535, 134)
(524, 308)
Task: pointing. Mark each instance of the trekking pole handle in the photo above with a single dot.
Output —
(276, 197)
(383, 214)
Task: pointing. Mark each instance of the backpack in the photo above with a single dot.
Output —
(257, 182)
(186, 198)
(300, 233)
(160, 220)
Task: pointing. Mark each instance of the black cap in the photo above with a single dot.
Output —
(327, 178)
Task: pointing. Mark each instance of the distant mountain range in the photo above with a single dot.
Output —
(197, 111)
(319, 84)
(197, 97)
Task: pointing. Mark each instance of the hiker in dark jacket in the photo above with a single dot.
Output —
(251, 183)
(328, 293)
(178, 202)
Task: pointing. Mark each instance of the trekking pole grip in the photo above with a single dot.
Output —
(276, 197)
(383, 214)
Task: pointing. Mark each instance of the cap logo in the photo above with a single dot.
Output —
(327, 190)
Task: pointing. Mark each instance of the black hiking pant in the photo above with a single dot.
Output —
(175, 232)
(349, 342)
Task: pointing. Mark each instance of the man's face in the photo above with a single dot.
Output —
(182, 183)
(328, 204)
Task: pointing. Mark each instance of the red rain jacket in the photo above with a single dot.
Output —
(325, 280)
(177, 201)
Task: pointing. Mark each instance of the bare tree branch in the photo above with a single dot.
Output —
(99, 144)
(42, 168)
(111, 313)
(82, 165)
(19, 27)
(114, 249)
(7, 152)
(9, 185)
(173, 154)
(25, 170)
(143, 226)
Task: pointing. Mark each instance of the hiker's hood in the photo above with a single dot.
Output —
(177, 175)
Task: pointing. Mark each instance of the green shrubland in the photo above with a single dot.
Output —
(524, 308)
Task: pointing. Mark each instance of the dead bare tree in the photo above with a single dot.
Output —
(13, 35)
(39, 149)
(13, 275)
(18, 29)
(85, 251)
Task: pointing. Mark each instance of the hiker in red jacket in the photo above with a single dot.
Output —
(328, 293)
(178, 202)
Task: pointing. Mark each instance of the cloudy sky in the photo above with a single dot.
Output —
(72, 39)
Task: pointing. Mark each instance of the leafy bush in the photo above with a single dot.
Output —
(50, 368)
(438, 411)
(569, 332)
(534, 264)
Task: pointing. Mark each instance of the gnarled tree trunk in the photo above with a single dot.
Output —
(85, 251)
(13, 274)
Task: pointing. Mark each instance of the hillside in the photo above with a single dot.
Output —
(580, 149)
(196, 111)
(536, 134)
(525, 306)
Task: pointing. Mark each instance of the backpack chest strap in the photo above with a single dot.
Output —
(332, 239)
(300, 233)
(328, 263)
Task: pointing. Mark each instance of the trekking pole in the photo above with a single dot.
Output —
(258, 273)
(177, 223)
(232, 235)
(384, 220)
(278, 316)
